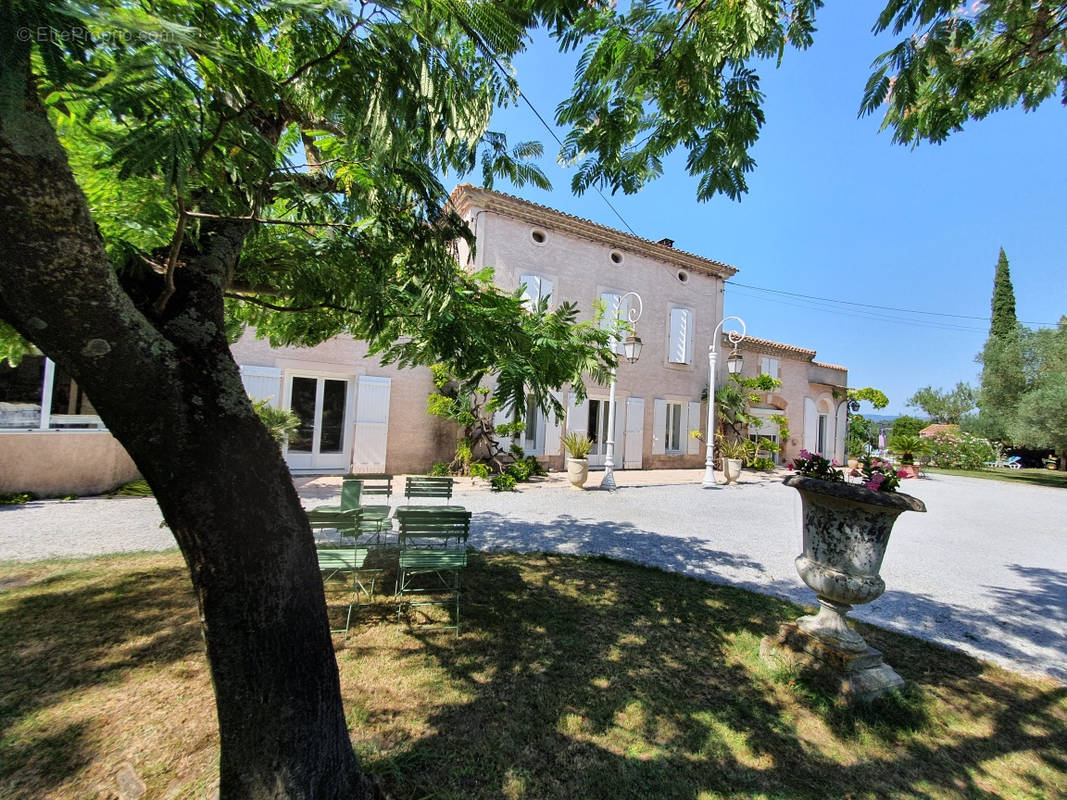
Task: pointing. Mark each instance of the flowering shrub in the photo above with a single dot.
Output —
(962, 451)
(875, 474)
(878, 475)
(812, 465)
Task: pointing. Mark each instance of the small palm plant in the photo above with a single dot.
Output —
(907, 446)
(578, 444)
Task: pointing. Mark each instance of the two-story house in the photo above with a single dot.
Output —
(358, 415)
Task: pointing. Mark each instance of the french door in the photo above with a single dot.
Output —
(323, 404)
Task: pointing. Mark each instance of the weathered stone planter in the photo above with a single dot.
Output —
(577, 471)
(731, 469)
(846, 530)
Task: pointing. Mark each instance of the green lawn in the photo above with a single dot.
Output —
(574, 678)
(1035, 477)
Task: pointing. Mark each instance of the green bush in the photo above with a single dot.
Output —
(480, 471)
(16, 498)
(520, 471)
(962, 451)
(439, 470)
(502, 482)
(762, 463)
(537, 469)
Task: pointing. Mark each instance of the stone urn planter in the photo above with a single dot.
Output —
(731, 469)
(846, 530)
(577, 471)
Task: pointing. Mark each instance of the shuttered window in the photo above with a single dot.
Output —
(768, 366)
(680, 350)
(535, 288)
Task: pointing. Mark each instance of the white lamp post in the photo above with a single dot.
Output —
(734, 364)
(631, 349)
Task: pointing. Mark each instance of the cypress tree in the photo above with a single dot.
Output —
(1003, 322)
(1003, 379)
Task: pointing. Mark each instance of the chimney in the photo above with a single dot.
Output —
(666, 242)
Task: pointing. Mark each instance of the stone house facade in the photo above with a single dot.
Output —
(361, 416)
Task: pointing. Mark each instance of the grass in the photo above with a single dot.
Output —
(1034, 477)
(574, 678)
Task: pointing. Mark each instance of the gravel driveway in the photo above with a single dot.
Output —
(984, 571)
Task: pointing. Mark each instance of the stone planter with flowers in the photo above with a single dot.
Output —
(846, 528)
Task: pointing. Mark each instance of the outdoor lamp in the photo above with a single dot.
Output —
(735, 362)
(631, 348)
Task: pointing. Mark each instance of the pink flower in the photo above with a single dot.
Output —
(790, 465)
(901, 473)
(854, 473)
(805, 454)
(836, 463)
(875, 482)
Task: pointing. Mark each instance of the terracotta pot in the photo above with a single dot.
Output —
(577, 471)
(731, 469)
(846, 531)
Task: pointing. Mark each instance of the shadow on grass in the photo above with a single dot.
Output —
(73, 630)
(1030, 477)
(593, 678)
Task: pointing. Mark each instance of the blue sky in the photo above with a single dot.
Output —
(835, 210)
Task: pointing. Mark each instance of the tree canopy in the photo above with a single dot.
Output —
(945, 406)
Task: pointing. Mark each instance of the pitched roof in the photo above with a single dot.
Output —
(767, 345)
(939, 428)
(465, 195)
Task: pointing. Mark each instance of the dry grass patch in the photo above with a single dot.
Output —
(574, 678)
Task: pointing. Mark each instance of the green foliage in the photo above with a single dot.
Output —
(279, 422)
(1002, 358)
(860, 435)
(875, 397)
(1041, 419)
(1003, 322)
(16, 498)
(963, 62)
(762, 462)
(961, 451)
(476, 471)
(741, 449)
(734, 401)
(905, 425)
(577, 445)
(440, 470)
(503, 482)
(134, 489)
(907, 446)
(944, 406)
(519, 470)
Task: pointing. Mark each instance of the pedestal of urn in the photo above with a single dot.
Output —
(846, 530)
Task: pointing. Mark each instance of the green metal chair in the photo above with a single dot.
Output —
(351, 492)
(343, 564)
(423, 486)
(376, 485)
(431, 572)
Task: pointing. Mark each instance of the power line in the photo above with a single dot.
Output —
(881, 308)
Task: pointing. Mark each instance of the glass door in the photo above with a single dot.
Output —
(598, 433)
(322, 406)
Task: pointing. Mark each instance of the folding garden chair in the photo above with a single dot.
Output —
(422, 486)
(431, 572)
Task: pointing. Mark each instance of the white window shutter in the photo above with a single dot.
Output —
(659, 426)
(531, 290)
(839, 433)
(681, 343)
(545, 291)
(577, 415)
(811, 425)
(769, 366)
(693, 448)
(262, 383)
(372, 424)
(553, 430)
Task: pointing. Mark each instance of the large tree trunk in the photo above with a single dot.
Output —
(168, 389)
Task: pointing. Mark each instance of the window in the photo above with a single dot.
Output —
(529, 434)
(768, 366)
(597, 427)
(673, 435)
(37, 396)
(680, 347)
(820, 437)
(535, 288)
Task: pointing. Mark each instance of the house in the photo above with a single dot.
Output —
(361, 416)
(812, 398)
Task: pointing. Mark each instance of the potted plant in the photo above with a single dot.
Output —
(907, 446)
(846, 530)
(578, 446)
(734, 454)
